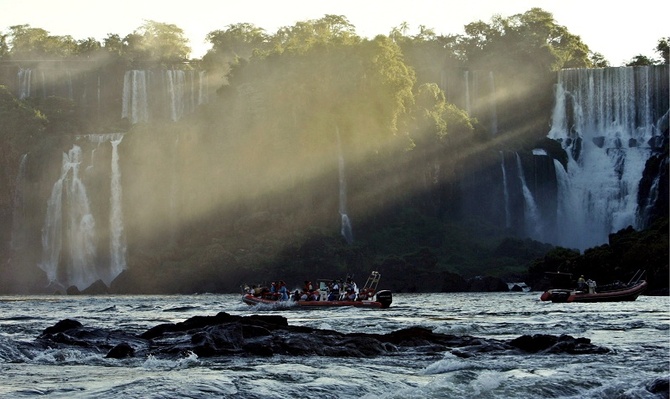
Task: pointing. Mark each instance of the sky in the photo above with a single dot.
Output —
(619, 32)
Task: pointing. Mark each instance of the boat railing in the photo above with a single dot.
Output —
(636, 277)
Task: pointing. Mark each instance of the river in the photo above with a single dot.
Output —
(637, 334)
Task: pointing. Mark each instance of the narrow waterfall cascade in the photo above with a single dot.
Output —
(25, 83)
(71, 235)
(532, 220)
(156, 94)
(610, 122)
(508, 218)
(346, 229)
(117, 239)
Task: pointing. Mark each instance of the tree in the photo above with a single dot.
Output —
(663, 49)
(35, 43)
(640, 60)
(157, 43)
(598, 60)
(529, 39)
(237, 41)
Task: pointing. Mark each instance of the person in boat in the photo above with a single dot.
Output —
(581, 283)
(307, 291)
(334, 291)
(592, 286)
(283, 292)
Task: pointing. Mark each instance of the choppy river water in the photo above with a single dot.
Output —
(637, 334)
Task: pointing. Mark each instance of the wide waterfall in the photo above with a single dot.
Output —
(164, 94)
(609, 121)
(70, 236)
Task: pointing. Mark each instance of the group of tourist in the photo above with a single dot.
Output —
(335, 290)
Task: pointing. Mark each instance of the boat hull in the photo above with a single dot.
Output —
(618, 295)
(384, 301)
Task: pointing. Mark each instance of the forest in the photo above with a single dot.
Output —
(302, 128)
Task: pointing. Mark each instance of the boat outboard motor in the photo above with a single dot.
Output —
(385, 298)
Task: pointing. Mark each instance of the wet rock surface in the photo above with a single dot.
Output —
(268, 335)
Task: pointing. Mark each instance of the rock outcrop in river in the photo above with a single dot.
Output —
(268, 335)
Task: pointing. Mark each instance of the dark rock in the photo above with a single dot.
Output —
(97, 288)
(121, 351)
(267, 335)
(72, 290)
(61, 326)
(660, 386)
(553, 344)
(487, 284)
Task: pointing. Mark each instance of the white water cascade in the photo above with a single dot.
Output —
(532, 220)
(607, 121)
(70, 256)
(135, 103)
(345, 229)
(69, 227)
(117, 239)
(172, 93)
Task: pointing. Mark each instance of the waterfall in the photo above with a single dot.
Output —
(70, 224)
(25, 78)
(172, 94)
(531, 214)
(117, 242)
(69, 237)
(607, 121)
(508, 219)
(346, 229)
(135, 103)
(175, 91)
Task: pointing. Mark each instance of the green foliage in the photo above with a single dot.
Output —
(532, 39)
(640, 60)
(157, 43)
(20, 124)
(663, 49)
(29, 43)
